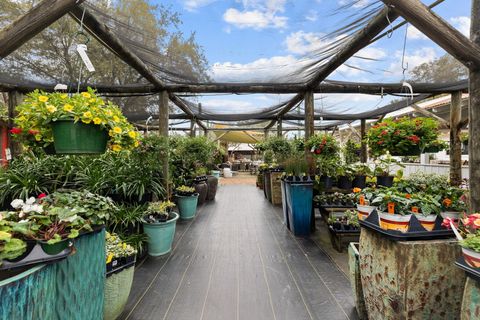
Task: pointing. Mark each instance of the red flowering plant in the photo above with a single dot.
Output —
(404, 136)
(323, 145)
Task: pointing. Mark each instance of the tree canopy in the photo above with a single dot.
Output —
(443, 69)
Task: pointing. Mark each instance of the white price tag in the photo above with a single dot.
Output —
(82, 51)
(8, 154)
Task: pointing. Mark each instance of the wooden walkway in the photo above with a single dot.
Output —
(235, 261)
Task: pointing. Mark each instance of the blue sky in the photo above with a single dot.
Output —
(250, 39)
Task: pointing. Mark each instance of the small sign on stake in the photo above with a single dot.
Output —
(82, 51)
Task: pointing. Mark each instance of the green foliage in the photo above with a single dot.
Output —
(323, 145)
(398, 201)
(268, 157)
(402, 136)
(278, 147)
(328, 166)
(351, 152)
(296, 165)
(471, 242)
(127, 222)
(116, 248)
(383, 166)
(443, 69)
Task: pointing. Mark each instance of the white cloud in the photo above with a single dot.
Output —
(254, 19)
(192, 5)
(462, 23)
(302, 42)
(257, 14)
(356, 3)
(259, 70)
(371, 53)
(413, 59)
(312, 16)
(415, 34)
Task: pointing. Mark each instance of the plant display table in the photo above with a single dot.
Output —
(70, 289)
(410, 279)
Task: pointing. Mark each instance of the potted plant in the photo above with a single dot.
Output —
(328, 170)
(383, 168)
(453, 202)
(402, 137)
(351, 152)
(159, 225)
(426, 209)
(11, 247)
(345, 176)
(364, 198)
(186, 199)
(468, 234)
(394, 209)
(360, 171)
(76, 124)
(435, 146)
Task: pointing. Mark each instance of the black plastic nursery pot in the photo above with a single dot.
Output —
(326, 182)
(344, 182)
(386, 181)
(359, 182)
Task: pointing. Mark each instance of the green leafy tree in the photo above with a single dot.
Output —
(443, 69)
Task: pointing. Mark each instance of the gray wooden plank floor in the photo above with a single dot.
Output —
(236, 260)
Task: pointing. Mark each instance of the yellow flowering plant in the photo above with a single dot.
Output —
(40, 109)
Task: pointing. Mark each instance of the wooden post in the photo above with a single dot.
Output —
(309, 128)
(455, 143)
(192, 128)
(363, 148)
(163, 131)
(265, 134)
(279, 128)
(14, 99)
(474, 116)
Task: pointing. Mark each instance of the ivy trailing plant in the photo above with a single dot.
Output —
(404, 136)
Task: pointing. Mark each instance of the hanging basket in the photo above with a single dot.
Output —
(71, 137)
(410, 152)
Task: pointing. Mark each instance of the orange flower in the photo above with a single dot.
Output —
(447, 202)
(356, 190)
(415, 209)
(408, 196)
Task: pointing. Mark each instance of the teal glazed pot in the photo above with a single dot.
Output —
(187, 206)
(160, 236)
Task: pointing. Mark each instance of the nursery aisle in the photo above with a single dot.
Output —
(236, 260)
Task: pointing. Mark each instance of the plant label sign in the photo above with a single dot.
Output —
(82, 51)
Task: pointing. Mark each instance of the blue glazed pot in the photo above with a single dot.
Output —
(160, 236)
(187, 206)
(216, 173)
(299, 206)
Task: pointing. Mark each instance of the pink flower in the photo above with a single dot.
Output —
(41, 196)
(446, 223)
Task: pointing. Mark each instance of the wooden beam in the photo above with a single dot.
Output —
(354, 131)
(438, 30)
(103, 33)
(309, 129)
(455, 142)
(221, 136)
(474, 117)
(279, 128)
(192, 128)
(32, 23)
(328, 86)
(429, 114)
(363, 134)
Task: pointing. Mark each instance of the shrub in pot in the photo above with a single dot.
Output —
(75, 124)
(383, 168)
(159, 225)
(364, 198)
(394, 209)
(186, 199)
(360, 172)
(453, 202)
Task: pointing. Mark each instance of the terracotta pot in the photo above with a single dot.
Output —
(364, 211)
(428, 222)
(396, 222)
(472, 258)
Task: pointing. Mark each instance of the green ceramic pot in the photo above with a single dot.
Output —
(187, 205)
(71, 137)
(160, 236)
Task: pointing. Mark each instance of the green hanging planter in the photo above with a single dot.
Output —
(71, 137)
